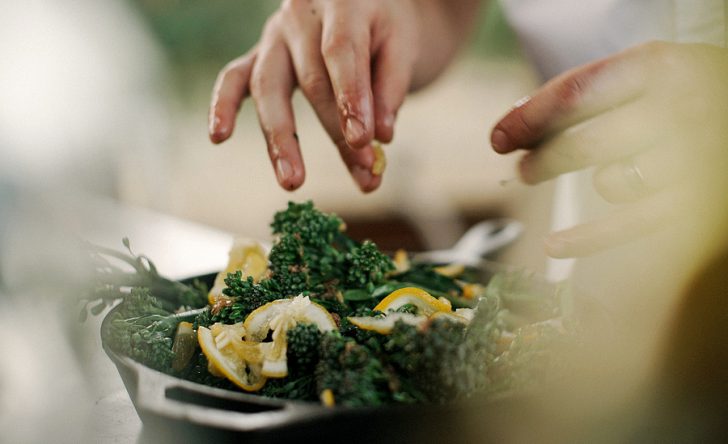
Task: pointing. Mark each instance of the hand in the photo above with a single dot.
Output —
(354, 62)
(652, 121)
(326, 48)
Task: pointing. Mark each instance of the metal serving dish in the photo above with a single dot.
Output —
(176, 410)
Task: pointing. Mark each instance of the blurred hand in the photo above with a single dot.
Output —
(354, 62)
(652, 120)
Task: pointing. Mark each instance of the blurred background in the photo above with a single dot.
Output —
(112, 97)
(103, 134)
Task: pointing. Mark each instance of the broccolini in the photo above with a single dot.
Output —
(433, 360)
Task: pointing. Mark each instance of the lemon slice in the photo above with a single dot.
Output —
(472, 291)
(451, 316)
(450, 270)
(284, 313)
(426, 304)
(232, 357)
(401, 261)
(280, 316)
(385, 324)
(246, 256)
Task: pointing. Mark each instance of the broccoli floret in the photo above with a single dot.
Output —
(302, 355)
(313, 254)
(367, 267)
(303, 349)
(313, 226)
(310, 249)
(354, 374)
(428, 362)
(142, 329)
(302, 388)
(444, 361)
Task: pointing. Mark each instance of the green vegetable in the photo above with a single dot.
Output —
(355, 375)
(440, 361)
(447, 360)
(303, 349)
(142, 329)
(113, 283)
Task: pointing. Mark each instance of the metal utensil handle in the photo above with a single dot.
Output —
(479, 240)
(162, 395)
(488, 236)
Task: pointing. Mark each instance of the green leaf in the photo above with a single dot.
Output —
(356, 295)
(384, 290)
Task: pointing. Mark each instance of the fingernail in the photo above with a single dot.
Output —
(362, 176)
(284, 170)
(388, 120)
(500, 141)
(216, 129)
(354, 130)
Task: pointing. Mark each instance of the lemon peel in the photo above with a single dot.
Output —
(229, 356)
(426, 304)
(280, 316)
(246, 256)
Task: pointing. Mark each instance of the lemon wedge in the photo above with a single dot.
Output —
(427, 307)
(246, 256)
(280, 316)
(229, 356)
(450, 270)
(385, 324)
(426, 304)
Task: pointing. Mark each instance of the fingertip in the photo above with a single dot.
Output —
(500, 141)
(384, 132)
(218, 130)
(372, 185)
(364, 178)
(290, 175)
(218, 137)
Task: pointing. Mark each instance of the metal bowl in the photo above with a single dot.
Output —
(177, 410)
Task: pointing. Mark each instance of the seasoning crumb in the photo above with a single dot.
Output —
(380, 160)
(327, 398)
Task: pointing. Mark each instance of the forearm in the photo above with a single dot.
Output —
(445, 26)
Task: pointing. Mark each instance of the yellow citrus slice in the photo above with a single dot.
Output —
(401, 261)
(472, 291)
(450, 270)
(451, 316)
(246, 256)
(230, 356)
(385, 324)
(327, 398)
(279, 316)
(426, 304)
(286, 312)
